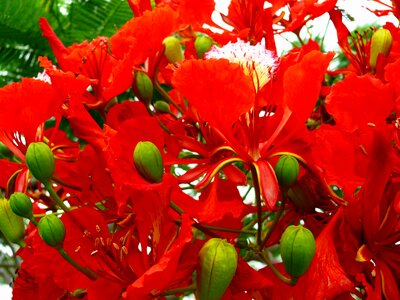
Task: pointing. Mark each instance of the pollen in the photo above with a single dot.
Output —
(256, 61)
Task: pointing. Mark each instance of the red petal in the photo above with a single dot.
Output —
(302, 83)
(389, 282)
(144, 34)
(96, 290)
(334, 153)
(359, 100)
(342, 32)
(326, 278)
(55, 43)
(268, 182)
(159, 276)
(125, 111)
(8, 168)
(195, 12)
(379, 169)
(221, 199)
(218, 83)
(303, 11)
(26, 105)
(392, 74)
(246, 278)
(396, 203)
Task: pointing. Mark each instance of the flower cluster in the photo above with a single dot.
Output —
(170, 159)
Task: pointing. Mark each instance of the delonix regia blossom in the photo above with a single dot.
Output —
(168, 159)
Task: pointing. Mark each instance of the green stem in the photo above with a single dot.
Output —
(258, 203)
(89, 273)
(165, 95)
(290, 281)
(277, 217)
(22, 244)
(55, 196)
(247, 192)
(254, 221)
(181, 290)
(175, 207)
(33, 220)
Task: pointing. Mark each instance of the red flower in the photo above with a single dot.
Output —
(370, 233)
(92, 60)
(26, 106)
(243, 117)
(253, 20)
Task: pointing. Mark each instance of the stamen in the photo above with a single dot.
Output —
(116, 246)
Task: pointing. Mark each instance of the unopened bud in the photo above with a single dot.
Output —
(52, 230)
(143, 87)
(287, 169)
(40, 161)
(173, 50)
(216, 268)
(297, 249)
(148, 161)
(11, 225)
(162, 107)
(381, 43)
(21, 205)
(202, 44)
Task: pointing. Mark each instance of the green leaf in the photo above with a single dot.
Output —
(21, 41)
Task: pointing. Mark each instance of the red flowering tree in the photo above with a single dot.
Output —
(202, 162)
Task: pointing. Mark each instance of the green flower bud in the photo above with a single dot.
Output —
(202, 44)
(162, 106)
(21, 205)
(11, 225)
(216, 268)
(143, 87)
(52, 230)
(173, 50)
(40, 161)
(148, 161)
(287, 169)
(297, 249)
(381, 43)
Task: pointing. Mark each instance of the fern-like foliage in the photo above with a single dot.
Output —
(21, 41)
